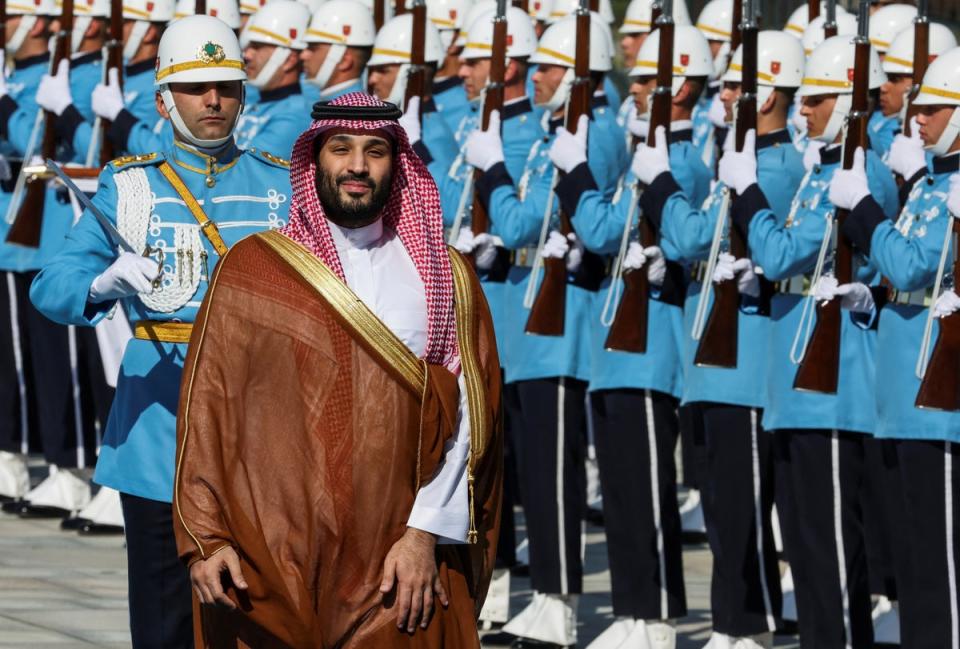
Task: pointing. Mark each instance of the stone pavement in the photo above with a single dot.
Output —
(64, 591)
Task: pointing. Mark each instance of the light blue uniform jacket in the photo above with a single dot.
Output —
(251, 193)
(275, 122)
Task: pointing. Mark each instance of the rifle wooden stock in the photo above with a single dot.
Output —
(114, 61)
(813, 10)
(200, 8)
(522, 4)
(628, 331)
(736, 20)
(548, 312)
(399, 7)
(921, 59)
(417, 81)
(379, 13)
(28, 224)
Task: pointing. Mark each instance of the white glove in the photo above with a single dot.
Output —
(484, 149)
(906, 153)
(946, 304)
(638, 125)
(717, 113)
(481, 246)
(108, 99)
(410, 120)
(53, 93)
(129, 275)
(849, 186)
(728, 267)
(637, 256)
(651, 161)
(953, 197)
(568, 149)
(738, 169)
(811, 155)
(855, 297)
(558, 246)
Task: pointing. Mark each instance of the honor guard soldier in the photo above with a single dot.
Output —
(715, 22)
(134, 106)
(912, 253)
(339, 43)
(388, 70)
(818, 440)
(247, 8)
(228, 11)
(738, 482)
(635, 453)
(183, 208)
(272, 42)
(549, 372)
(448, 93)
(885, 23)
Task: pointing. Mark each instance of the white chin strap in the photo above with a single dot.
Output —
(181, 127)
(20, 35)
(137, 33)
(840, 111)
(80, 25)
(399, 90)
(270, 68)
(949, 135)
(446, 38)
(559, 97)
(334, 56)
(720, 60)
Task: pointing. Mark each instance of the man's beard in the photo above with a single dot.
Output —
(348, 211)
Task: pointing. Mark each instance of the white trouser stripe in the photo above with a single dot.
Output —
(75, 380)
(758, 520)
(838, 533)
(951, 564)
(561, 519)
(18, 362)
(655, 493)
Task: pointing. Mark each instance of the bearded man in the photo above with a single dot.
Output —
(339, 454)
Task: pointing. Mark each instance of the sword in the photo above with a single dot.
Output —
(104, 222)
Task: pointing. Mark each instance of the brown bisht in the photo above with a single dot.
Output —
(305, 429)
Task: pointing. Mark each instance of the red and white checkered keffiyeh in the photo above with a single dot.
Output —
(412, 211)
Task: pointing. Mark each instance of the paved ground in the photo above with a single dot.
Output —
(61, 590)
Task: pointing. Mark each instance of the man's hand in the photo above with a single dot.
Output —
(107, 98)
(206, 575)
(411, 564)
(483, 149)
(849, 186)
(410, 120)
(53, 93)
(129, 275)
(651, 161)
(570, 149)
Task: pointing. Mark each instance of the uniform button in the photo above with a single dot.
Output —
(211, 181)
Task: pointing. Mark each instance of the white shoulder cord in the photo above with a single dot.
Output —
(922, 359)
(706, 286)
(615, 291)
(805, 327)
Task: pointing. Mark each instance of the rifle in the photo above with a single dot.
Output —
(200, 8)
(547, 314)
(628, 331)
(114, 61)
(492, 100)
(25, 229)
(379, 14)
(921, 59)
(417, 77)
(399, 7)
(522, 4)
(718, 343)
(813, 10)
(820, 368)
(940, 386)
(830, 22)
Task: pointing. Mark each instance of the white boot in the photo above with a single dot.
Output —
(638, 638)
(555, 620)
(104, 509)
(719, 641)
(614, 635)
(662, 634)
(759, 641)
(520, 622)
(14, 477)
(886, 622)
(496, 608)
(789, 608)
(62, 489)
(691, 514)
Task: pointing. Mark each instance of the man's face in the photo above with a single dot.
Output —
(715, 47)
(817, 110)
(893, 92)
(381, 78)
(474, 73)
(546, 80)
(630, 46)
(729, 95)
(353, 178)
(641, 88)
(255, 56)
(209, 109)
(933, 121)
(313, 57)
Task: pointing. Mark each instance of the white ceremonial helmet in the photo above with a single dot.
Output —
(540, 10)
(342, 23)
(691, 56)
(197, 49)
(779, 64)
(312, 5)
(521, 39)
(813, 35)
(142, 13)
(83, 14)
(637, 18)
(448, 17)
(888, 21)
(225, 10)
(476, 10)
(563, 8)
(715, 21)
(282, 23)
(394, 45)
(31, 10)
(941, 87)
(249, 7)
(557, 46)
(800, 18)
(899, 58)
(829, 70)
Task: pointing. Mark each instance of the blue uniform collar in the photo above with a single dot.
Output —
(31, 61)
(428, 106)
(283, 92)
(599, 101)
(140, 68)
(518, 107)
(946, 164)
(89, 57)
(189, 158)
(781, 136)
(830, 154)
(446, 84)
(680, 135)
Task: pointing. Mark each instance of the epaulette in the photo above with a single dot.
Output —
(270, 158)
(137, 160)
